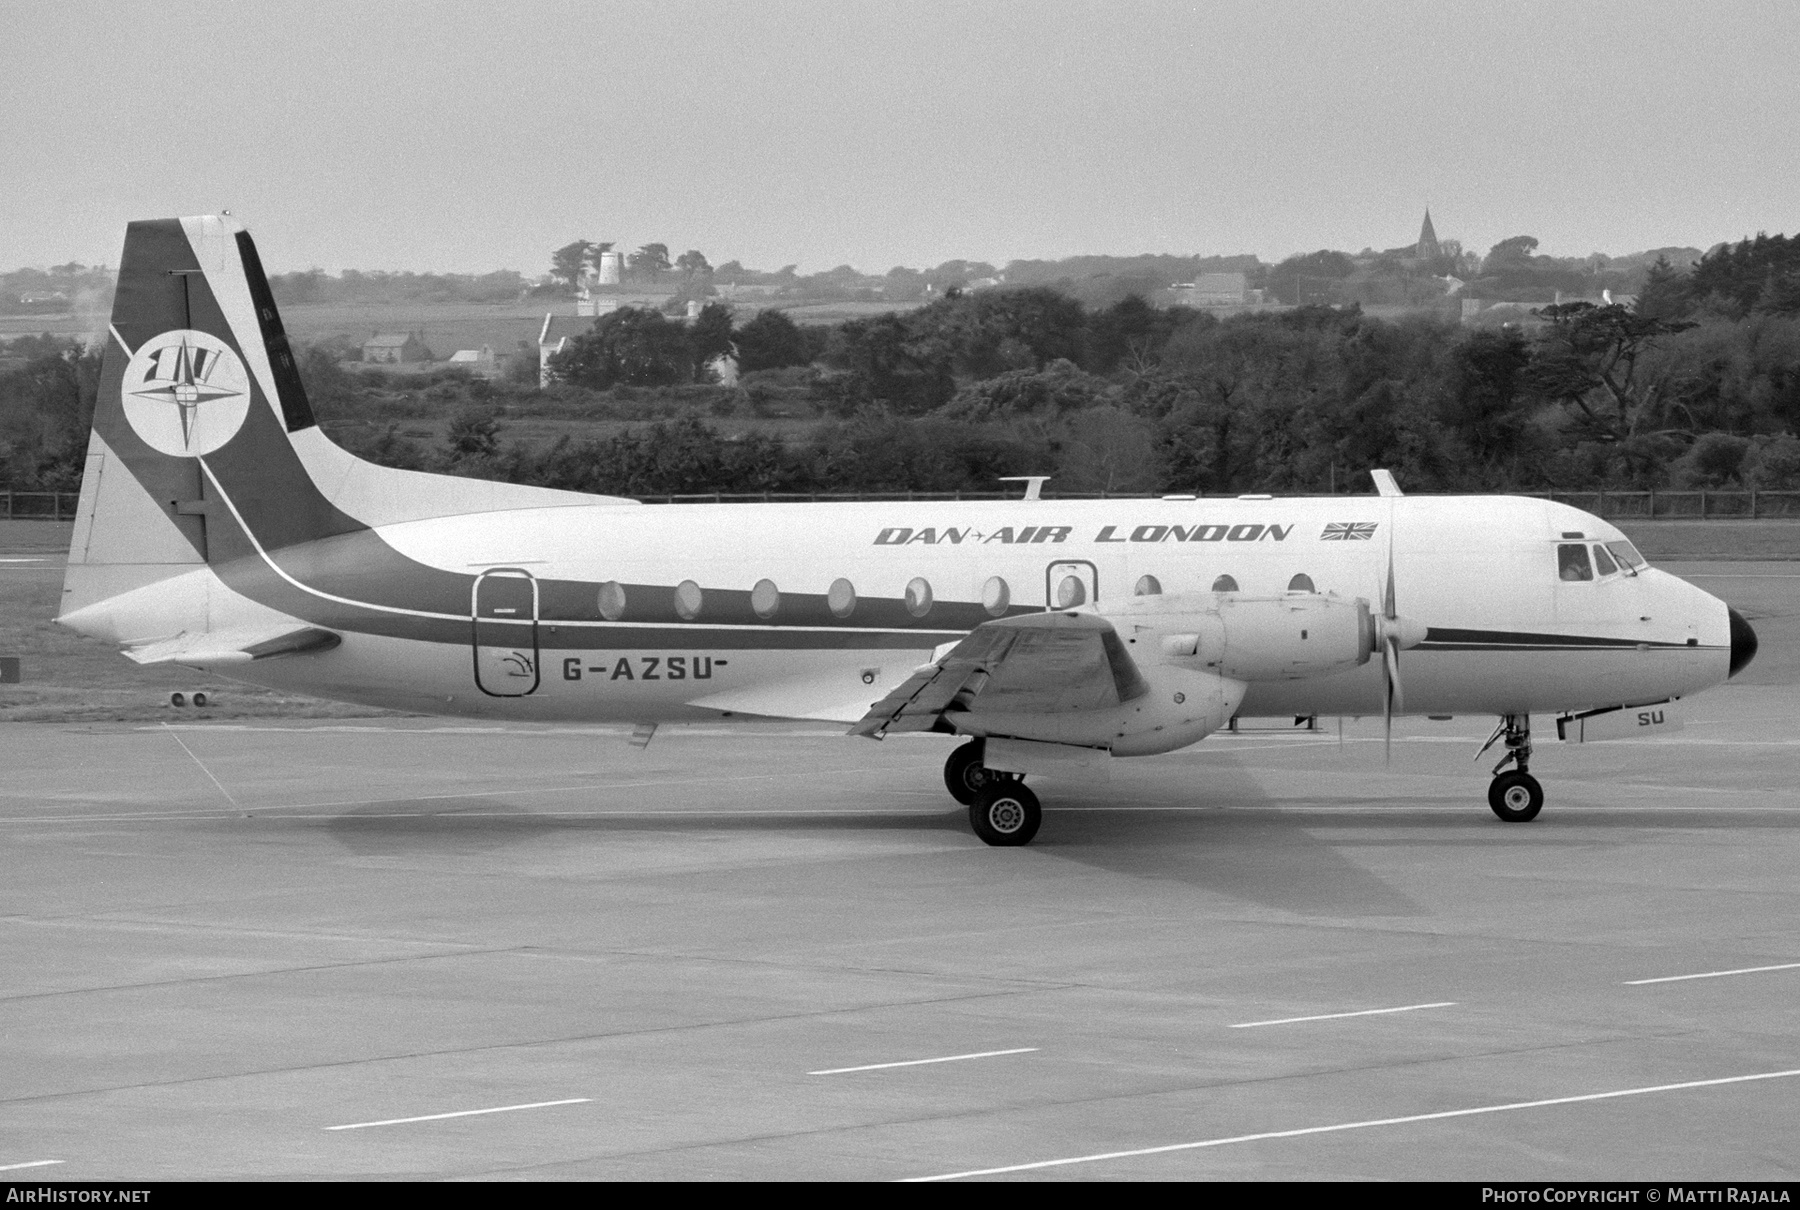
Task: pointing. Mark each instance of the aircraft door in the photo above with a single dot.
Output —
(1071, 582)
(504, 618)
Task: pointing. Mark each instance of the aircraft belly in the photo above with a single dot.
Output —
(582, 686)
(1499, 682)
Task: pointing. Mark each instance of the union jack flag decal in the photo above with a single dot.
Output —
(1348, 531)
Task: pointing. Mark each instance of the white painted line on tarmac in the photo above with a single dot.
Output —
(1742, 970)
(30, 1164)
(1367, 1012)
(1363, 1125)
(980, 1054)
(461, 1113)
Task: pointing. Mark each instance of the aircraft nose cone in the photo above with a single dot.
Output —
(1743, 641)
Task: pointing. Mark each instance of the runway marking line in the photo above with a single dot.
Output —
(209, 773)
(1362, 1125)
(30, 1164)
(461, 1113)
(1367, 1012)
(980, 1054)
(1742, 970)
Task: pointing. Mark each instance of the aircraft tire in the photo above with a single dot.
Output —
(1006, 814)
(1516, 797)
(966, 777)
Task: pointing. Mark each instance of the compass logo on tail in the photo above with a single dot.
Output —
(185, 393)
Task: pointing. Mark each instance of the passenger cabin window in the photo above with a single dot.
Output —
(1572, 562)
(996, 596)
(1626, 554)
(1603, 562)
(1147, 586)
(840, 598)
(612, 600)
(1301, 583)
(1224, 584)
(765, 599)
(1071, 592)
(918, 597)
(688, 599)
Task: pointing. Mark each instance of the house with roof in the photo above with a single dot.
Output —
(395, 348)
(1216, 290)
(481, 361)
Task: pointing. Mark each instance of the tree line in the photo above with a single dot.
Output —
(1697, 385)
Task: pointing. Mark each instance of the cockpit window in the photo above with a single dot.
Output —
(1603, 562)
(1572, 562)
(1626, 554)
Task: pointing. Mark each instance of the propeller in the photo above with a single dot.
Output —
(1395, 697)
(1395, 634)
(1394, 631)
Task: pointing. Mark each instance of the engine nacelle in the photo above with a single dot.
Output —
(1289, 637)
(1180, 706)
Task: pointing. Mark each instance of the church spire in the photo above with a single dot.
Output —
(1428, 241)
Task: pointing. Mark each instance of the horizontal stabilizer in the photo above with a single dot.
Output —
(239, 646)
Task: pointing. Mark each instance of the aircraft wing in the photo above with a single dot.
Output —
(1041, 663)
(234, 646)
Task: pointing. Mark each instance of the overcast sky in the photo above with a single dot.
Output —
(473, 136)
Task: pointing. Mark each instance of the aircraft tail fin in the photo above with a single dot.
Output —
(204, 446)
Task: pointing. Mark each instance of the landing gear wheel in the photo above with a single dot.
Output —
(1006, 814)
(1516, 797)
(966, 777)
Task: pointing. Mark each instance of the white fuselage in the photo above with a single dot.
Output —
(1506, 635)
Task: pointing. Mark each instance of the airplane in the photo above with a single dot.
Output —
(219, 529)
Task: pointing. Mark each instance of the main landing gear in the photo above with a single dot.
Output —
(1001, 810)
(1515, 796)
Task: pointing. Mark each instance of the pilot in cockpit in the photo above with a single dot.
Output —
(1572, 562)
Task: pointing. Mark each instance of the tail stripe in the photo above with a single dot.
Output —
(295, 408)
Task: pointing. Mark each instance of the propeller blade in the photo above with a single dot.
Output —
(1389, 609)
(1387, 727)
(1390, 648)
(1396, 690)
(1390, 664)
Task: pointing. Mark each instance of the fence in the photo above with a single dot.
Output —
(1694, 505)
(1622, 506)
(38, 506)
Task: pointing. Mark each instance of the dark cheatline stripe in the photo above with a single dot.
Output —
(367, 572)
(1440, 639)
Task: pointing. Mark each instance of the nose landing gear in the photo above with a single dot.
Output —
(1516, 796)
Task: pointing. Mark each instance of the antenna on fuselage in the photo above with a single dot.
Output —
(1034, 484)
(1385, 483)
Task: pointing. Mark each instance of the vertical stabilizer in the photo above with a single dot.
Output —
(204, 449)
(197, 388)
